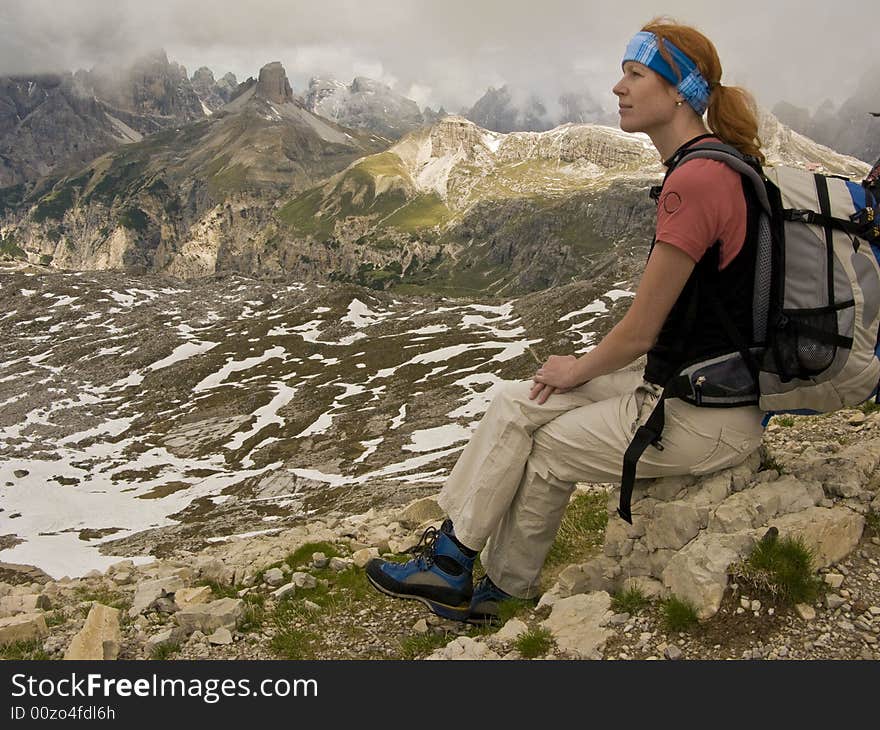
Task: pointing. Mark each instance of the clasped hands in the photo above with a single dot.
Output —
(557, 375)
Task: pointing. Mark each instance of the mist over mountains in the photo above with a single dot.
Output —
(850, 128)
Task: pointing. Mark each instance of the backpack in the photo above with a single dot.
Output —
(815, 308)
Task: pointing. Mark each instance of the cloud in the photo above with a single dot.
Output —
(450, 52)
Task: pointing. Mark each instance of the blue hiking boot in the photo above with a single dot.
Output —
(486, 601)
(441, 576)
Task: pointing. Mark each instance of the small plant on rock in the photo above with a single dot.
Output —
(872, 523)
(420, 645)
(630, 601)
(781, 567)
(679, 614)
(164, 651)
(533, 643)
(786, 421)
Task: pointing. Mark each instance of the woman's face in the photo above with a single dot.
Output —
(646, 100)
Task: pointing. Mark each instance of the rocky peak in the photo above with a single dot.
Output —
(273, 84)
(203, 77)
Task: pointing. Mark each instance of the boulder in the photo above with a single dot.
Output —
(149, 590)
(577, 624)
(100, 636)
(831, 534)
(211, 616)
(698, 572)
(27, 603)
(198, 595)
(420, 511)
(23, 627)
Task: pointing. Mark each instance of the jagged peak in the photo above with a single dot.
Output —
(273, 85)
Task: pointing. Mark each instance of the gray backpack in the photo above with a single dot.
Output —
(815, 309)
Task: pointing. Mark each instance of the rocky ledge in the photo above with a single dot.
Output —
(302, 593)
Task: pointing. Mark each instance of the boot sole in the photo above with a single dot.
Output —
(456, 613)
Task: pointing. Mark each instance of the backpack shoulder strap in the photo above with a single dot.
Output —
(733, 158)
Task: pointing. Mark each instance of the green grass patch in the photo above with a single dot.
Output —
(782, 568)
(785, 421)
(254, 615)
(420, 645)
(303, 554)
(678, 614)
(31, 650)
(10, 250)
(291, 642)
(54, 205)
(582, 529)
(164, 651)
(535, 642)
(231, 180)
(872, 523)
(869, 407)
(220, 590)
(104, 596)
(424, 211)
(55, 618)
(631, 601)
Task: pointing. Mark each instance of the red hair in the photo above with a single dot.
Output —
(732, 112)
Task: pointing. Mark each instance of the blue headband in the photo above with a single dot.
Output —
(693, 87)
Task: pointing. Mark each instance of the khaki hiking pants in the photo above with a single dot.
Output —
(509, 488)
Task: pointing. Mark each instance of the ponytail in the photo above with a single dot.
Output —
(732, 114)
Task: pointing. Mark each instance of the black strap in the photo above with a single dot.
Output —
(825, 207)
(820, 335)
(819, 219)
(645, 436)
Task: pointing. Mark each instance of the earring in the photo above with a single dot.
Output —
(679, 103)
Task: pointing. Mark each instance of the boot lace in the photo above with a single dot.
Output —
(424, 549)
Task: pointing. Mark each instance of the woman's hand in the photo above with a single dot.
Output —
(557, 375)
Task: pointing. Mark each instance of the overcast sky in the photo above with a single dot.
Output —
(448, 52)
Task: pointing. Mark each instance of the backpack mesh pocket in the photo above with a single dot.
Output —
(799, 347)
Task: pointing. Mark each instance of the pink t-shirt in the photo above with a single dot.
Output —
(703, 202)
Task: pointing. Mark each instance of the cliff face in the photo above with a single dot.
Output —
(364, 104)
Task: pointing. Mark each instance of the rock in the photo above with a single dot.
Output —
(672, 652)
(303, 580)
(23, 627)
(285, 591)
(100, 636)
(464, 648)
(831, 534)
(400, 545)
(26, 603)
(221, 636)
(340, 565)
(835, 580)
(362, 557)
(577, 624)
(123, 577)
(598, 574)
(211, 568)
(20, 473)
(805, 611)
(648, 587)
(320, 560)
(511, 631)
(210, 616)
(311, 606)
(192, 596)
(150, 590)
(420, 626)
(420, 511)
(698, 573)
(174, 635)
(857, 418)
(273, 577)
(672, 526)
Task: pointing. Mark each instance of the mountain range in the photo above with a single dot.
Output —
(853, 128)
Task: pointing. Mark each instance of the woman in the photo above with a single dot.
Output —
(574, 421)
